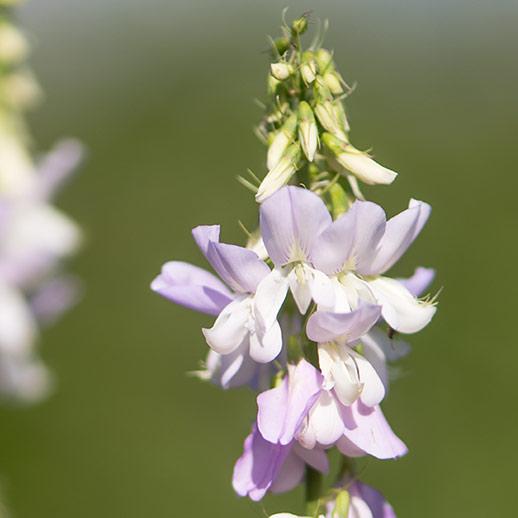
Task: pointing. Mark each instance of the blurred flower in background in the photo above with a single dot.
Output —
(35, 236)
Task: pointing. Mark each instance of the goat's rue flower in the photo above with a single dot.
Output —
(302, 312)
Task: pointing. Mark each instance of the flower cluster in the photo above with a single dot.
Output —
(34, 235)
(305, 312)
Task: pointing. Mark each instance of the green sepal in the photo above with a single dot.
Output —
(334, 144)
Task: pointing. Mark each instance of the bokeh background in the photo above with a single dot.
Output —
(161, 92)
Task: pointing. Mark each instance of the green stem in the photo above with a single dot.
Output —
(313, 491)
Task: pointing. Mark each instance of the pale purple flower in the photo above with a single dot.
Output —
(340, 263)
(299, 419)
(272, 459)
(302, 408)
(246, 307)
(199, 290)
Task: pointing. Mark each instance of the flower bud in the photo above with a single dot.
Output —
(281, 45)
(308, 131)
(281, 141)
(308, 68)
(357, 162)
(332, 80)
(324, 60)
(321, 91)
(281, 71)
(332, 117)
(280, 174)
(13, 45)
(299, 26)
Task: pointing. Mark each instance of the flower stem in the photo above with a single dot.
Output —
(313, 491)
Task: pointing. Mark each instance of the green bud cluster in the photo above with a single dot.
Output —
(305, 125)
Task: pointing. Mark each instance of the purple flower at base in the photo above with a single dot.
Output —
(302, 409)
(298, 420)
(272, 459)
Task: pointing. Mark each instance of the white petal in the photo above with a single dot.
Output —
(299, 280)
(357, 290)
(322, 289)
(365, 168)
(265, 345)
(230, 328)
(375, 355)
(270, 296)
(401, 310)
(348, 385)
(277, 148)
(324, 425)
(373, 390)
(358, 508)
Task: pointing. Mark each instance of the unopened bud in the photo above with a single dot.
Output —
(281, 71)
(332, 80)
(332, 118)
(281, 45)
(324, 60)
(308, 131)
(300, 25)
(280, 174)
(357, 162)
(281, 141)
(308, 68)
(13, 45)
(321, 91)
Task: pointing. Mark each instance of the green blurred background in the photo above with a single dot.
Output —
(161, 92)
